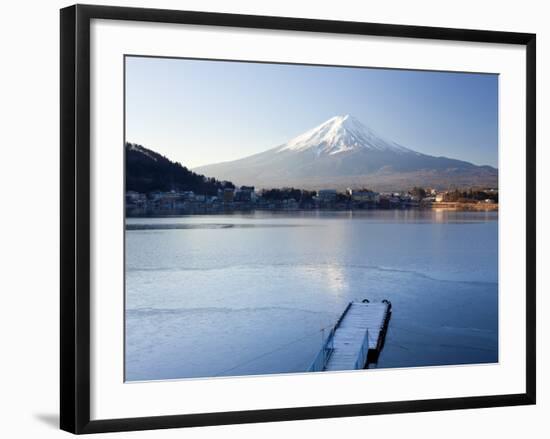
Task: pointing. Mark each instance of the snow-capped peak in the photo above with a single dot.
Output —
(341, 134)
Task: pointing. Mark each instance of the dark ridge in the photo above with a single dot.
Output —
(148, 171)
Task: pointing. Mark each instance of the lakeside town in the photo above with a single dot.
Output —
(247, 198)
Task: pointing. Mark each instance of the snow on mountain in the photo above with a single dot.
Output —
(342, 152)
(341, 134)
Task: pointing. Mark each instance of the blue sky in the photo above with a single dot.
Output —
(199, 112)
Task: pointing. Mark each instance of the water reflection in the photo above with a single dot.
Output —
(204, 300)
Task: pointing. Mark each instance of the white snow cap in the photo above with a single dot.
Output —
(341, 134)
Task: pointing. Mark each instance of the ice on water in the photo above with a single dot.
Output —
(249, 294)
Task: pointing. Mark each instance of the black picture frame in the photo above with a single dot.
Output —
(75, 217)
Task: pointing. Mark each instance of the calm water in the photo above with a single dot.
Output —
(249, 294)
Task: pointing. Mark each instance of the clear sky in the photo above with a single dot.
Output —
(200, 112)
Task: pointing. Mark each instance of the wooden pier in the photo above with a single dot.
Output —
(357, 337)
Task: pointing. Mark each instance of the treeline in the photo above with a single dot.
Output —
(148, 171)
(470, 195)
(288, 193)
(418, 192)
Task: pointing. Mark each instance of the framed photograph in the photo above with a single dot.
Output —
(268, 218)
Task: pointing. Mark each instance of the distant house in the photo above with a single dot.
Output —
(132, 195)
(362, 196)
(134, 199)
(245, 194)
(290, 204)
(188, 195)
(439, 198)
(228, 195)
(156, 195)
(326, 195)
(167, 203)
(394, 200)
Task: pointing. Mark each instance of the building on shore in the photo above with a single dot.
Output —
(327, 195)
(228, 194)
(364, 196)
(245, 194)
(229, 199)
(135, 199)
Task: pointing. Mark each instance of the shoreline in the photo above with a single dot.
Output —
(464, 207)
(442, 206)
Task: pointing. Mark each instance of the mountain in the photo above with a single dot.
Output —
(342, 152)
(148, 171)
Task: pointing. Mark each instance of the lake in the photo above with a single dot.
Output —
(242, 294)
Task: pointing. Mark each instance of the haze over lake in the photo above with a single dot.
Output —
(227, 295)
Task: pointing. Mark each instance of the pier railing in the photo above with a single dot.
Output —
(322, 357)
(363, 352)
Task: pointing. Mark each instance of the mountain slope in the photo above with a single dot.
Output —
(148, 171)
(342, 152)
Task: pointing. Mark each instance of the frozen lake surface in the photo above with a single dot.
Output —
(226, 295)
